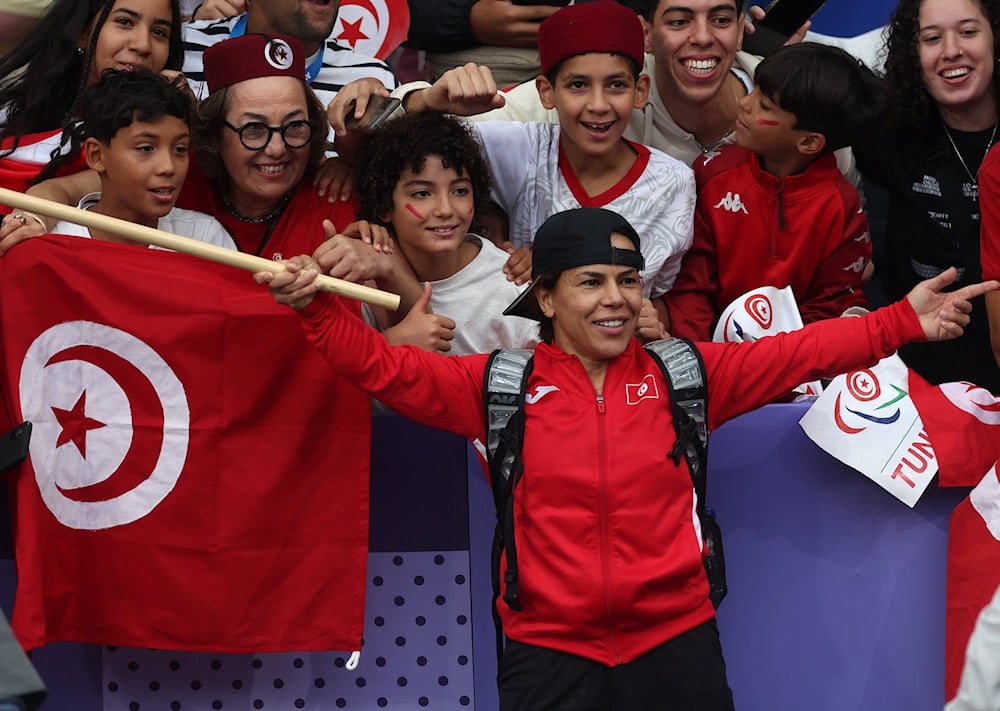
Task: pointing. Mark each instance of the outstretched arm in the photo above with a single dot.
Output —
(743, 376)
(437, 390)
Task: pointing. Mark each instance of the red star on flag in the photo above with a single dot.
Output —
(75, 424)
(351, 33)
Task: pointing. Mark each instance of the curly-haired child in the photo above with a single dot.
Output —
(423, 177)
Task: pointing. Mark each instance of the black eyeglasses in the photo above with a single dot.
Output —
(255, 135)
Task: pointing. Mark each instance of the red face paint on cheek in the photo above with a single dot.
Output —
(766, 122)
(413, 211)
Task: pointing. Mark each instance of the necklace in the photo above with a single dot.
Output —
(709, 147)
(263, 219)
(973, 185)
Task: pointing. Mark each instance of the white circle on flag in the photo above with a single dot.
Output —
(974, 400)
(81, 384)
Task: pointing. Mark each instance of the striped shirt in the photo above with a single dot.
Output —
(341, 65)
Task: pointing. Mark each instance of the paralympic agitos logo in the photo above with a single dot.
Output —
(873, 407)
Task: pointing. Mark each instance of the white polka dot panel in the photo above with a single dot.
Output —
(416, 654)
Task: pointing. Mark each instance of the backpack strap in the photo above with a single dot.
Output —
(504, 385)
(684, 372)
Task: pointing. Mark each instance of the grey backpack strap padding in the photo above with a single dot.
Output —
(684, 372)
(504, 384)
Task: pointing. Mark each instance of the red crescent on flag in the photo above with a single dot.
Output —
(147, 424)
(725, 329)
(974, 400)
(840, 420)
(759, 308)
(863, 385)
(392, 22)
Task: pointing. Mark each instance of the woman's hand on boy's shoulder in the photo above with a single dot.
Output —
(334, 179)
(376, 236)
(350, 258)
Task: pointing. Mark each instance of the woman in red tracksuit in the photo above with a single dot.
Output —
(615, 600)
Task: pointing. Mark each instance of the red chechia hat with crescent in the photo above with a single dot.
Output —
(252, 56)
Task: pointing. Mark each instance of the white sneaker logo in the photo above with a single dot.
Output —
(540, 392)
(732, 203)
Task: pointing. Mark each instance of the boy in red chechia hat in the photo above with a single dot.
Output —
(591, 58)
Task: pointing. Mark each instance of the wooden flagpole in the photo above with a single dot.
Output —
(149, 235)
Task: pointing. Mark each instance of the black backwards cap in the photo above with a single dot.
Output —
(575, 238)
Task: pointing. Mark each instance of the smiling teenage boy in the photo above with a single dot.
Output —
(137, 140)
(591, 57)
(774, 210)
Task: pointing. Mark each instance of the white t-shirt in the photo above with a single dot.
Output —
(184, 223)
(474, 298)
(657, 196)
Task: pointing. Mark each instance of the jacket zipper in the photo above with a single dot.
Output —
(602, 454)
(780, 201)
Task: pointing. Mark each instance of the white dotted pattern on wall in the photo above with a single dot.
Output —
(416, 654)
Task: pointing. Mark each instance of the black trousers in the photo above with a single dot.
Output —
(686, 673)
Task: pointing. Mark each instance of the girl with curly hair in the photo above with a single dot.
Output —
(941, 64)
(42, 78)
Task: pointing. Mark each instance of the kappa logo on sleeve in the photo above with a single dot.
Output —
(645, 390)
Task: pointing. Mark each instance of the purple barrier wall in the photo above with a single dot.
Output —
(836, 593)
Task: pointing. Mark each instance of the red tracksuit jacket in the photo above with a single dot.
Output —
(753, 229)
(607, 536)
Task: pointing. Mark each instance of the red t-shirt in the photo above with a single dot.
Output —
(299, 230)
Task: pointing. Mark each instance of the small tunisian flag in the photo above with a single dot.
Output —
(962, 421)
(372, 27)
(973, 571)
(198, 477)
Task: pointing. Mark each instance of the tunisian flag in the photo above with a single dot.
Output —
(197, 478)
(973, 571)
(372, 27)
(962, 421)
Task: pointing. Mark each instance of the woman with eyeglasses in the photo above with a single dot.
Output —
(258, 137)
